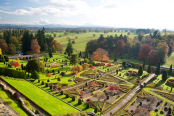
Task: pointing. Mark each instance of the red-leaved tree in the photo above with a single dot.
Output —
(35, 48)
(153, 57)
(144, 51)
(100, 55)
(15, 64)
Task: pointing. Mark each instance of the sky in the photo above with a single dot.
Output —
(156, 14)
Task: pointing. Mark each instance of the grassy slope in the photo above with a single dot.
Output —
(45, 100)
(80, 42)
(13, 104)
(170, 61)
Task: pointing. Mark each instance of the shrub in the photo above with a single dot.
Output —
(108, 97)
(61, 93)
(48, 75)
(79, 102)
(67, 96)
(16, 96)
(6, 58)
(87, 106)
(46, 85)
(15, 64)
(42, 83)
(73, 98)
(2, 59)
(95, 110)
(161, 112)
(35, 75)
(62, 74)
(156, 110)
(88, 100)
(38, 80)
(48, 80)
(37, 111)
(35, 65)
(58, 79)
(51, 87)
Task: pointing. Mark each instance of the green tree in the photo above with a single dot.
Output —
(53, 49)
(74, 59)
(164, 76)
(170, 70)
(115, 59)
(26, 42)
(157, 72)
(80, 54)
(86, 54)
(140, 71)
(14, 41)
(50, 53)
(69, 48)
(35, 75)
(35, 65)
(12, 49)
(62, 74)
(149, 69)
(41, 38)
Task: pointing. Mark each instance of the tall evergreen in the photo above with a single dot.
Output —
(41, 38)
(164, 75)
(80, 54)
(170, 70)
(86, 54)
(26, 41)
(144, 63)
(69, 48)
(50, 53)
(115, 59)
(74, 59)
(149, 69)
(157, 72)
(140, 71)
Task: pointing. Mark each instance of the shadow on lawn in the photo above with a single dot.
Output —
(159, 83)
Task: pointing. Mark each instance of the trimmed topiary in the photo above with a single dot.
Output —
(73, 98)
(42, 83)
(79, 102)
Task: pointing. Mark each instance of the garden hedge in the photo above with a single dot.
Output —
(12, 73)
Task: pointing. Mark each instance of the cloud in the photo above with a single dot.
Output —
(60, 8)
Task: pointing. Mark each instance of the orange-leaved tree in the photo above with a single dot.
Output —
(100, 55)
(35, 48)
(76, 69)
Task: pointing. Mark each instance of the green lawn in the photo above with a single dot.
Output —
(40, 97)
(83, 38)
(13, 104)
(170, 61)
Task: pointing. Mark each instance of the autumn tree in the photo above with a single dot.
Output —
(12, 49)
(3, 46)
(153, 57)
(119, 47)
(162, 50)
(58, 46)
(35, 48)
(76, 69)
(100, 55)
(144, 51)
(85, 66)
(0, 51)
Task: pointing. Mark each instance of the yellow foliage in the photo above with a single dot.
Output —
(0, 51)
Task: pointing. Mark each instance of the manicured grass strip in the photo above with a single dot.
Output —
(13, 104)
(51, 104)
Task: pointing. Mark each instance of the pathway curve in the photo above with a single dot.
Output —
(128, 97)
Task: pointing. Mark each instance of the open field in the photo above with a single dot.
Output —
(13, 104)
(83, 38)
(170, 61)
(40, 97)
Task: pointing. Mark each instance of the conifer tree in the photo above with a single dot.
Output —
(140, 71)
(149, 69)
(170, 70)
(50, 53)
(164, 75)
(69, 48)
(157, 72)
